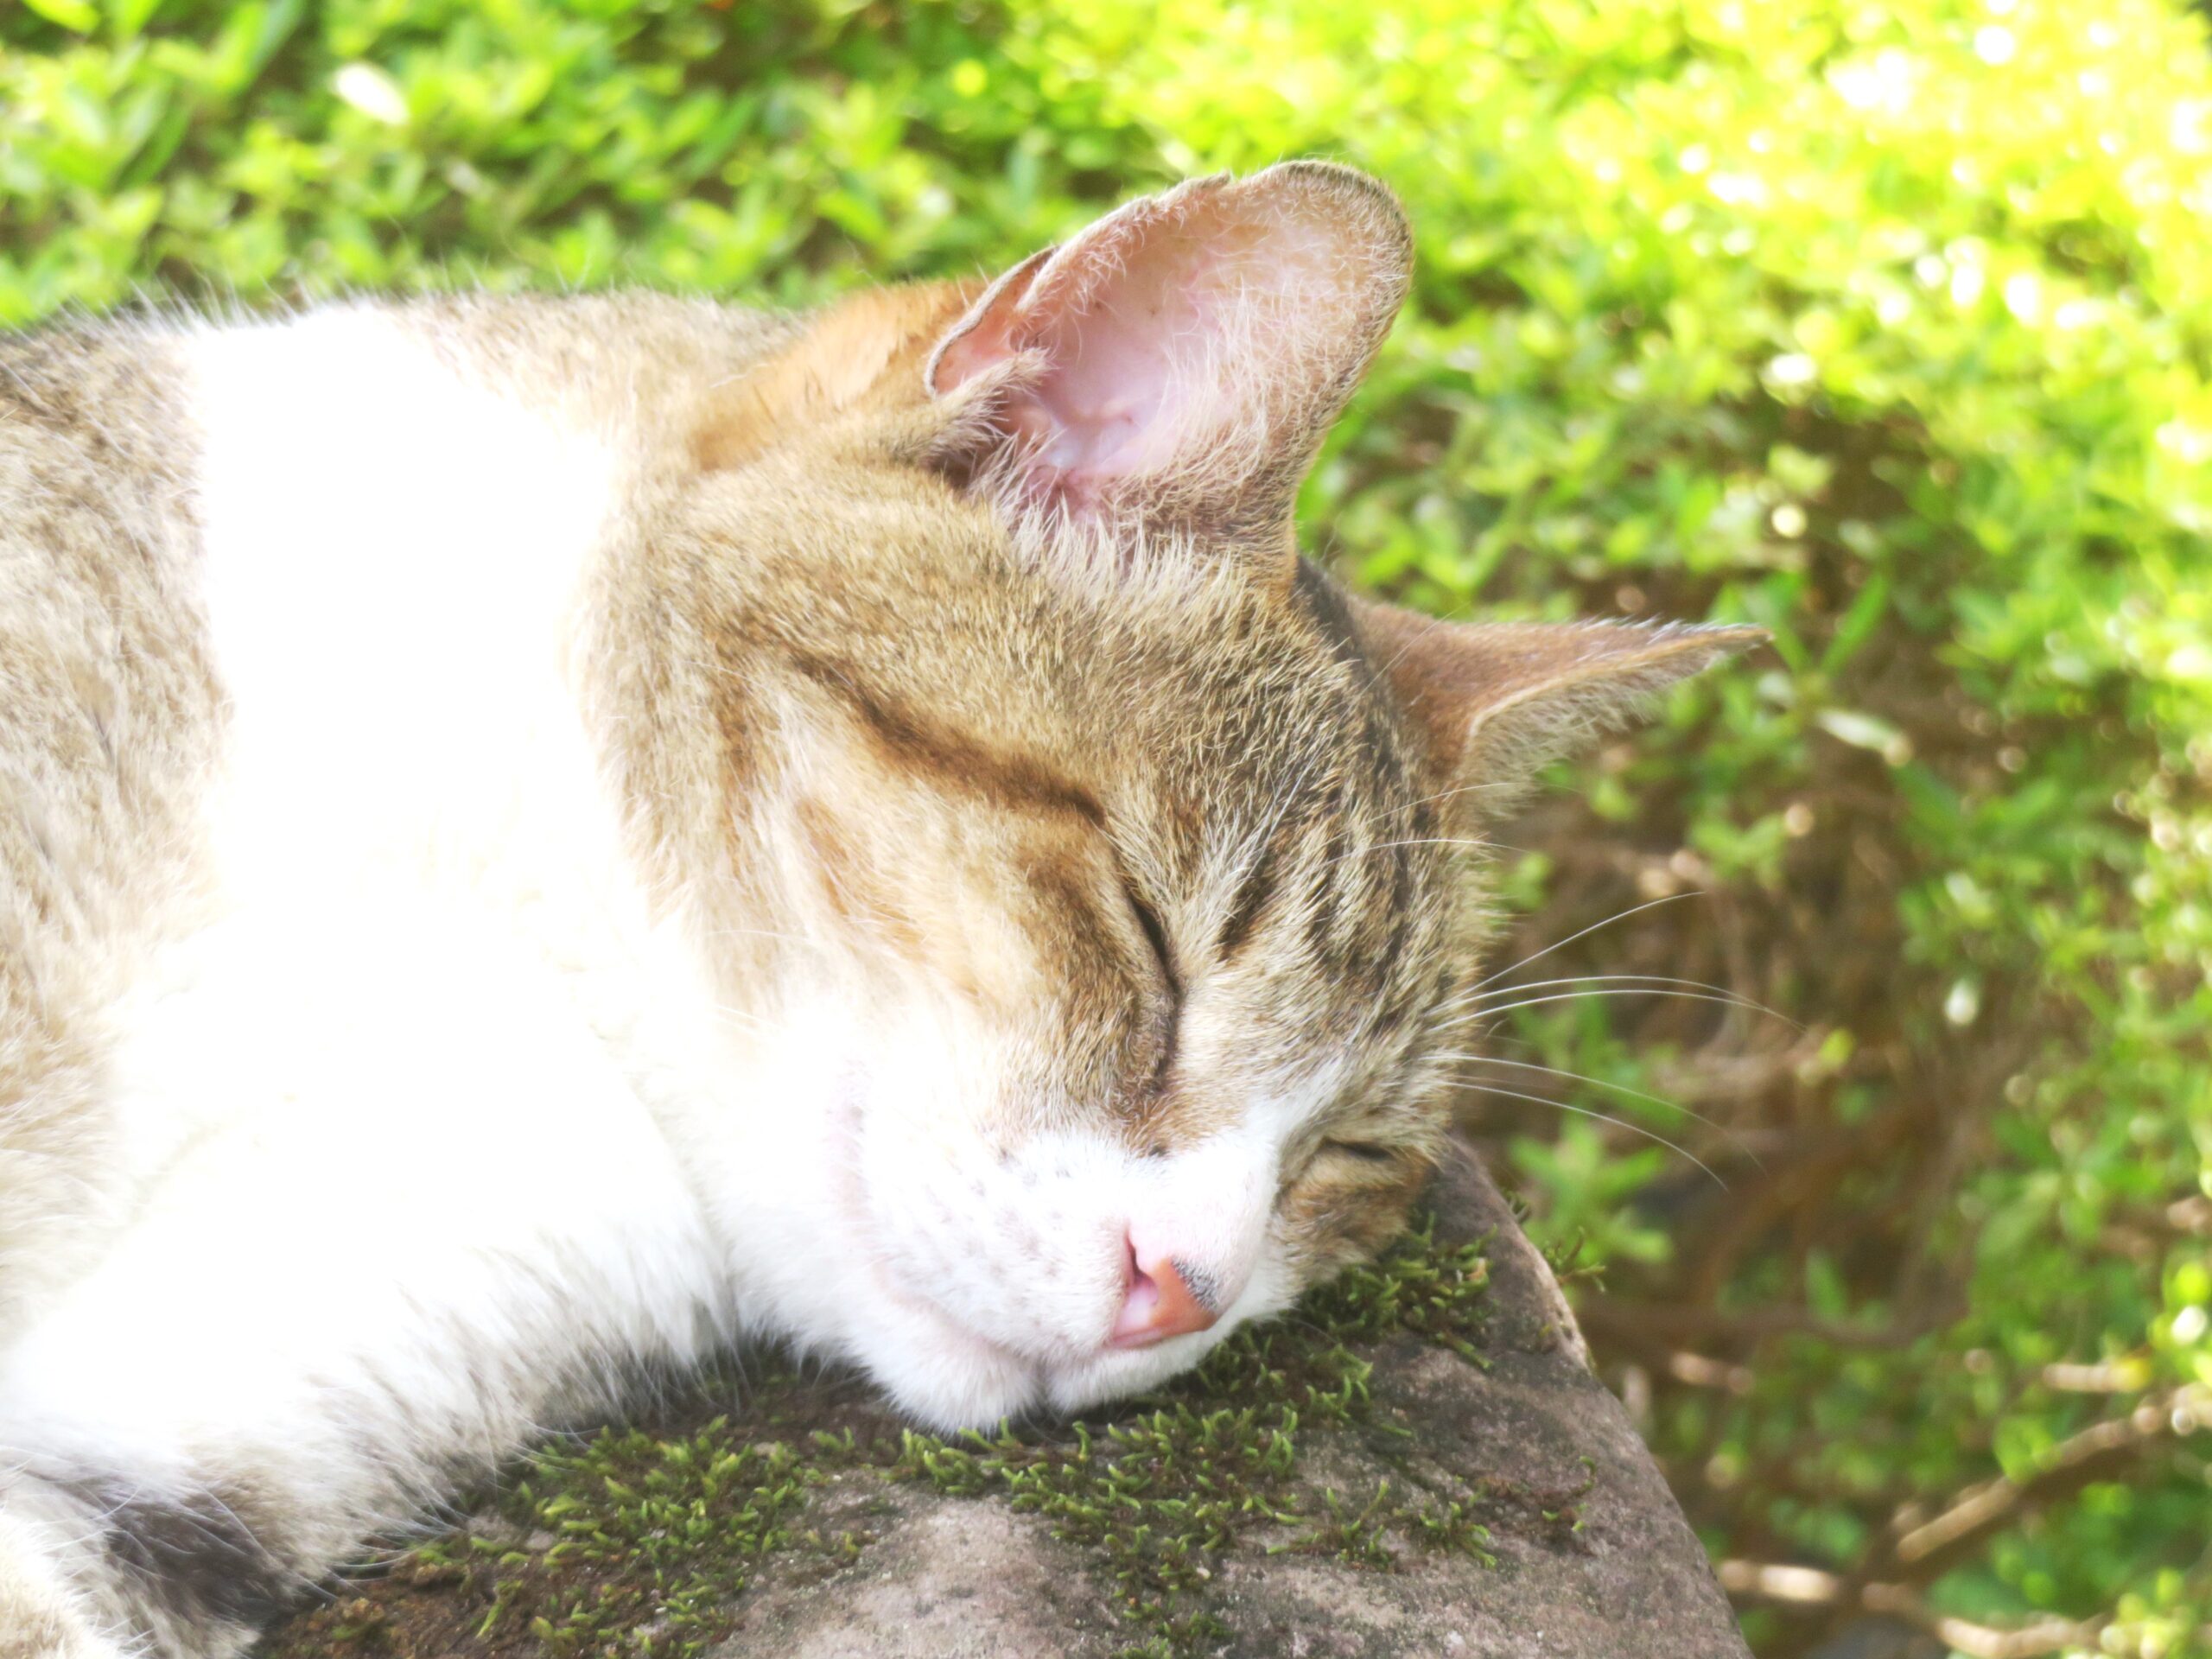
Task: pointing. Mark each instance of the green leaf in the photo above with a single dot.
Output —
(79, 15)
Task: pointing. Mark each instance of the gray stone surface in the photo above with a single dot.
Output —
(953, 1577)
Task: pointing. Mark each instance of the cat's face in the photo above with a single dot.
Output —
(1132, 925)
(1102, 855)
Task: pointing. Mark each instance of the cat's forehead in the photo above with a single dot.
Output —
(1309, 848)
(1246, 757)
(1270, 712)
(1176, 675)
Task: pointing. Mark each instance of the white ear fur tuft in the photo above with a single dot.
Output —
(1188, 351)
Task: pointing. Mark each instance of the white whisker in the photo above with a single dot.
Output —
(1607, 1117)
(1473, 999)
(1725, 1000)
(1741, 1145)
(1619, 916)
(1493, 1011)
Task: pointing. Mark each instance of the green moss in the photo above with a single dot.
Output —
(632, 1543)
(1166, 1492)
(638, 1542)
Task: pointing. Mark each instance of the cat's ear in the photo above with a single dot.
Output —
(1498, 700)
(1178, 362)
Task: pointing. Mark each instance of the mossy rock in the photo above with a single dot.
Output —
(1417, 1461)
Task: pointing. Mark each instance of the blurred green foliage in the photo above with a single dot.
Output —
(1886, 326)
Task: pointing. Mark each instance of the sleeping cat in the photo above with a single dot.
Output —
(540, 839)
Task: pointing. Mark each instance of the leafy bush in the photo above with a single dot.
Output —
(1887, 326)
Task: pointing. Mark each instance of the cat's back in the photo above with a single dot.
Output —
(107, 702)
(109, 717)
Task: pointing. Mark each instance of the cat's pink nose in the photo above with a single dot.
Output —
(1157, 1305)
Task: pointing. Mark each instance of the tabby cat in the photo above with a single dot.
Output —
(543, 838)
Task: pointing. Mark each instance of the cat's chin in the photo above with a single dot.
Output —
(949, 1393)
(949, 1398)
(1116, 1374)
(948, 1378)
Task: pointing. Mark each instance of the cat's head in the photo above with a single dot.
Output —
(1089, 872)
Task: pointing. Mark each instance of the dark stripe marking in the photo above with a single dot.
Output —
(1251, 898)
(193, 1557)
(952, 758)
(1325, 605)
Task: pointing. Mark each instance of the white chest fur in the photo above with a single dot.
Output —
(395, 561)
(392, 563)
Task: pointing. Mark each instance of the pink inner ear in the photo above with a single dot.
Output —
(1119, 393)
(1162, 329)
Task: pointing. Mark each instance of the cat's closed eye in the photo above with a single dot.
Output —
(1155, 934)
(1346, 1158)
(1364, 1152)
(1170, 1018)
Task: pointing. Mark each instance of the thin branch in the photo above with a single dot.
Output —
(2098, 1452)
(1781, 1585)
